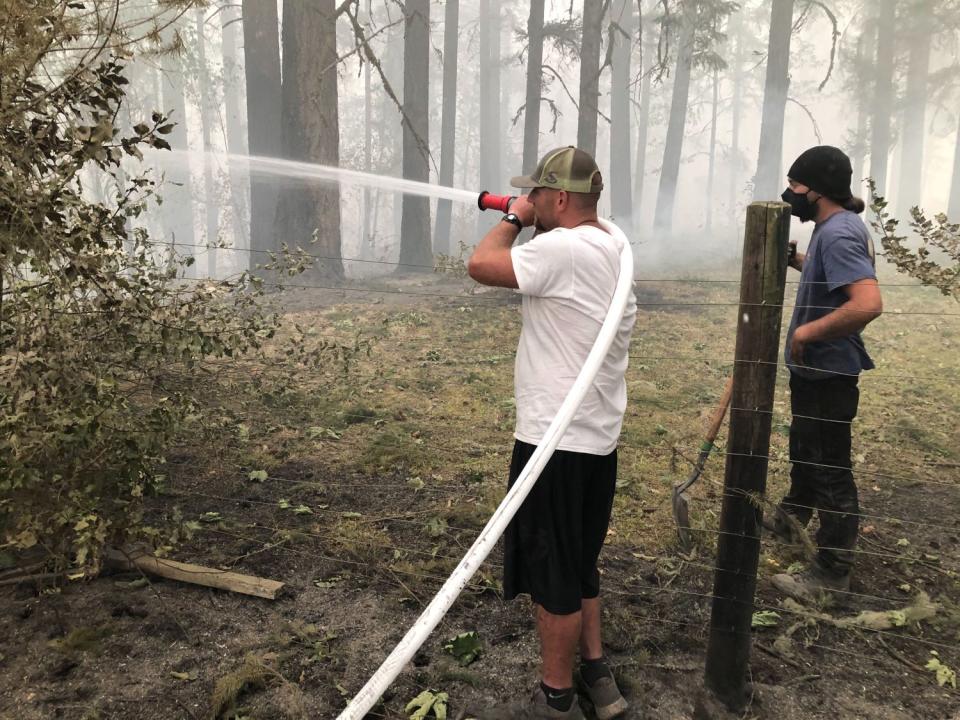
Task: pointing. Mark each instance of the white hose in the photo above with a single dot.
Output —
(495, 527)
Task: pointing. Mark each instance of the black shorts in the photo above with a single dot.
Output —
(552, 544)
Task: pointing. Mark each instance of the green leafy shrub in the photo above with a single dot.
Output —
(104, 352)
(936, 259)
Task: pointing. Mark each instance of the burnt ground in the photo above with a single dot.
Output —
(109, 648)
(379, 534)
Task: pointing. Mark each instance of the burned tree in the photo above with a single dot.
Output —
(531, 113)
(415, 246)
(769, 177)
(593, 12)
(621, 35)
(261, 49)
(311, 130)
(448, 129)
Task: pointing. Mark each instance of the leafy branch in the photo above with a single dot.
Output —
(936, 261)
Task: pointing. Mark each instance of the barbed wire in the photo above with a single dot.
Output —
(318, 511)
(763, 539)
(632, 591)
(501, 297)
(629, 590)
(750, 496)
(334, 535)
(456, 455)
(420, 525)
(870, 374)
(440, 268)
(855, 470)
(756, 576)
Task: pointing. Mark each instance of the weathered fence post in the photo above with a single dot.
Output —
(754, 379)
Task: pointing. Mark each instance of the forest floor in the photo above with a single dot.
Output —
(362, 487)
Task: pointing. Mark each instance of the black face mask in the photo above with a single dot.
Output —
(800, 206)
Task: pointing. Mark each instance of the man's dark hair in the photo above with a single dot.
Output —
(853, 204)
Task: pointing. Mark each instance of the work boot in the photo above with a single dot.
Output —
(534, 708)
(810, 586)
(781, 527)
(606, 698)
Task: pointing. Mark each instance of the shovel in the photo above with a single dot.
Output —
(681, 509)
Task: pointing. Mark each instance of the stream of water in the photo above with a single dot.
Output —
(311, 171)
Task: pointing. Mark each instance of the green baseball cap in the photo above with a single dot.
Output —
(567, 168)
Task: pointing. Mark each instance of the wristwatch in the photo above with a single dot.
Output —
(513, 220)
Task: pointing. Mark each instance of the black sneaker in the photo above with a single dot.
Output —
(606, 698)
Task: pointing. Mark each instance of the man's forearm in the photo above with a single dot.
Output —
(849, 318)
(490, 263)
(501, 236)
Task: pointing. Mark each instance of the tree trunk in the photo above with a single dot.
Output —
(643, 126)
(415, 247)
(511, 91)
(910, 187)
(311, 131)
(590, 75)
(236, 138)
(448, 129)
(883, 95)
(733, 188)
(177, 192)
(261, 67)
(210, 204)
(643, 121)
(391, 130)
(866, 48)
(366, 206)
(708, 225)
(769, 180)
(953, 211)
(531, 111)
(673, 146)
(490, 177)
(621, 194)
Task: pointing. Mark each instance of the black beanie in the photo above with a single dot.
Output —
(826, 170)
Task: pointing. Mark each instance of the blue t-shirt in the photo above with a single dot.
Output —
(840, 253)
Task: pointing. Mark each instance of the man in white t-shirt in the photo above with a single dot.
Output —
(567, 275)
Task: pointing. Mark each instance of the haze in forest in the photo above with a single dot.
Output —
(693, 108)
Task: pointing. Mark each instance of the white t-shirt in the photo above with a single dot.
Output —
(567, 278)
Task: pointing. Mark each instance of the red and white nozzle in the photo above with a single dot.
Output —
(488, 201)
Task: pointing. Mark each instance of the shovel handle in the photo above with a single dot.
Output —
(717, 420)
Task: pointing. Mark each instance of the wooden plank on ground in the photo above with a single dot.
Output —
(196, 574)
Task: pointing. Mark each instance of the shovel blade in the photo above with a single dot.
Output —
(681, 516)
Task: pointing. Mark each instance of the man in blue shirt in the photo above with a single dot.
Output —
(838, 296)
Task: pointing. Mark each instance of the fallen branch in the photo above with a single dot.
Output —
(195, 574)
(779, 656)
(901, 658)
(801, 679)
(19, 572)
(31, 578)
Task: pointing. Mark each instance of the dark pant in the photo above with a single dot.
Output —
(552, 544)
(820, 478)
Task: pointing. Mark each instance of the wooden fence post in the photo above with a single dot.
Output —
(763, 278)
